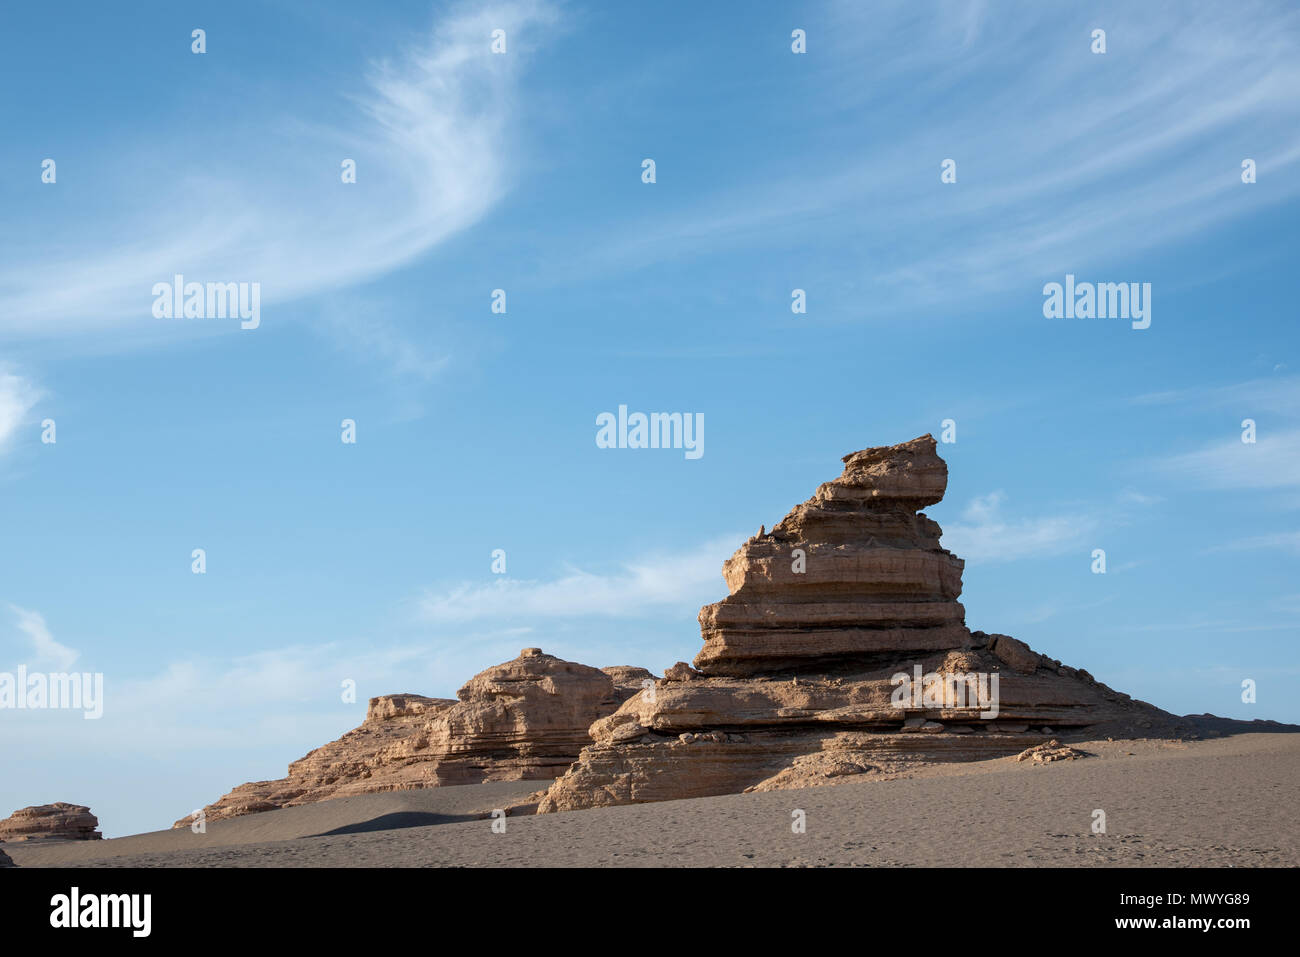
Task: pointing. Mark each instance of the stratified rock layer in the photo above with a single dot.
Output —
(855, 571)
(521, 720)
(58, 821)
(798, 680)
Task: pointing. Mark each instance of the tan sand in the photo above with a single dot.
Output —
(366, 812)
(1227, 801)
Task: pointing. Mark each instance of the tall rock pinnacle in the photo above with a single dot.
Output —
(854, 571)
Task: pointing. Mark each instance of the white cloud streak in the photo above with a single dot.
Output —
(1289, 541)
(431, 134)
(1254, 398)
(1271, 462)
(18, 396)
(1099, 157)
(987, 536)
(633, 589)
(45, 650)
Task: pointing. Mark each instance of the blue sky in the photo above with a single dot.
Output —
(475, 431)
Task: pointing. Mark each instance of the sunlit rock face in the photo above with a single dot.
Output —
(841, 651)
(855, 572)
(520, 720)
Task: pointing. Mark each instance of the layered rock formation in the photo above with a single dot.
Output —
(842, 650)
(522, 720)
(58, 821)
(854, 572)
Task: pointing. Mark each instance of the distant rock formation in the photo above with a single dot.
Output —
(58, 821)
(798, 682)
(522, 720)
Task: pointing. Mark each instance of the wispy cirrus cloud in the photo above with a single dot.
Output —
(985, 534)
(1131, 496)
(633, 588)
(1254, 398)
(1289, 541)
(45, 650)
(1140, 126)
(1269, 463)
(18, 396)
(430, 131)
(1272, 461)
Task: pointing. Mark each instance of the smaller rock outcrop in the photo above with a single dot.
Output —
(520, 720)
(58, 821)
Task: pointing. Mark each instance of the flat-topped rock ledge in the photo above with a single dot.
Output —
(56, 822)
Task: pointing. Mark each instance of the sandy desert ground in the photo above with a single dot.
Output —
(1224, 801)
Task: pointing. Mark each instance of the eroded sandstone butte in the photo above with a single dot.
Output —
(856, 571)
(522, 720)
(58, 821)
(795, 684)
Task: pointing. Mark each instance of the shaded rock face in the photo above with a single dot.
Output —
(6, 860)
(521, 720)
(58, 821)
(798, 680)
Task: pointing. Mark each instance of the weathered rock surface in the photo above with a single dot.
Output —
(521, 720)
(855, 570)
(1051, 751)
(58, 821)
(799, 680)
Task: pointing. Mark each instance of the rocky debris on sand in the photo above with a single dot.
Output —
(520, 720)
(841, 649)
(58, 821)
(1050, 751)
